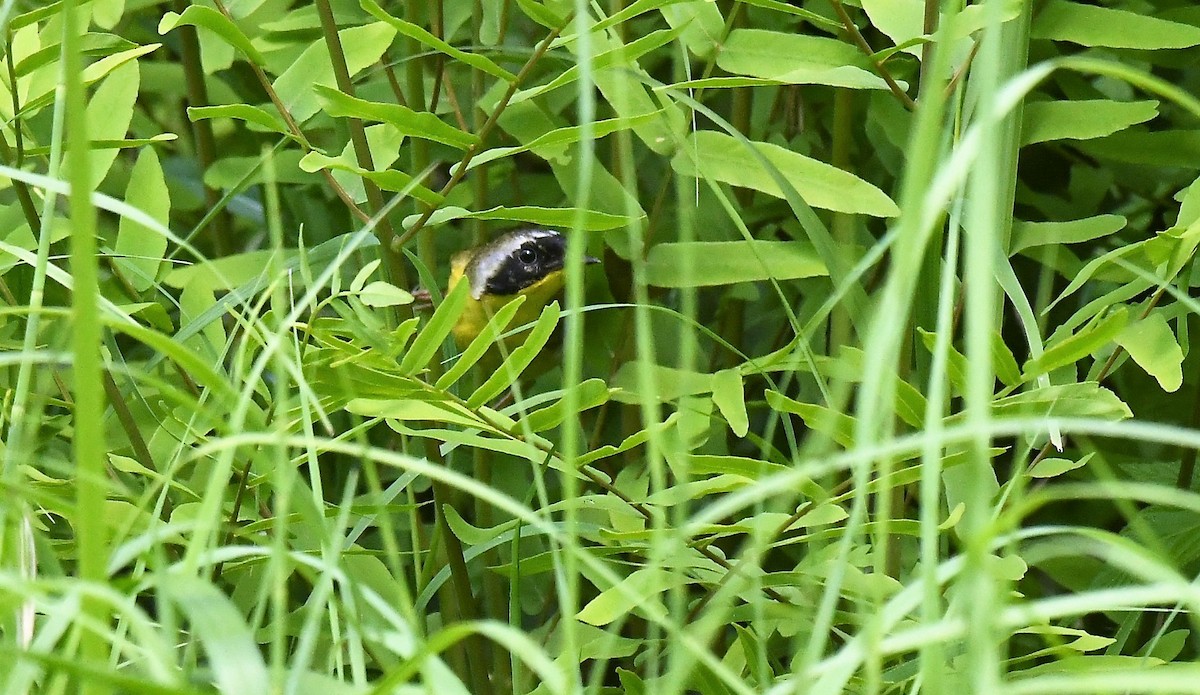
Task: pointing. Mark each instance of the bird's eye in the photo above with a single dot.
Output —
(527, 255)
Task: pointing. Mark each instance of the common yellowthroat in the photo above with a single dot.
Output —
(523, 262)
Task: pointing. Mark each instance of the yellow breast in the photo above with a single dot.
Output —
(477, 312)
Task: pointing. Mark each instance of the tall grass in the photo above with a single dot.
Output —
(919, 422)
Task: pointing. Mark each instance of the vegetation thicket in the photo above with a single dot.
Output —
(883, 383)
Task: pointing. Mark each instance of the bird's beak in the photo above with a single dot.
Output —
(588, 260)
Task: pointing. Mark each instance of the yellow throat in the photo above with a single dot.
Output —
(523, 263)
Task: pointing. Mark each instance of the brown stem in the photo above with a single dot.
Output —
(477, 653)
(865, 47)
(202, 132)
(953, 83)
(294, 128)
(141, 452)
(929, 25)
(28, 208)
(362, 150)
(461, 170)
(390, 72)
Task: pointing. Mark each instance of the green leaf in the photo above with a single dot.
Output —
(232, 171)
(36, 15)
(1053, 467)
(550, 217)
(711, 263)
(228, 643)
(702, 25)
(1085, 399)
(1168, 646)
(118, 144)
(667, 383)
(94, 45)
(903, 22)
(753, 469)
(363, 45)
(1095, 266)
(720, 83)
(623, 13)
(1089, 25)
(837, 426)
(528, 121)
(709, 154)
(730, 398)
(637, 593)
(627, 94)
(382, 294)
(415, 410)
(810, 16)
(622, 55)
(142, 246)
(363, 274)
(562, 136)
(519, 359)
(1083, 343)
(956, 362)
(541, 14)
(214, 21)
(1162, 148)
(109, 112)
(1005, 364)
(475, 535)
(481, 343)
(1044, 121)
(1082, 641)
(634, 440)
(389, 180)
(420, 124)
(412, 31)
(1152, 345)
(1029, 234)
(631, 683)
(435, 332)
(241, 112)
(453, 438)
(591, 393)
(796, 59)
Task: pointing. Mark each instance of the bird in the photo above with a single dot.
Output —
(527, 262)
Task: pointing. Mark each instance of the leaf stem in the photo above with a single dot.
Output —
(397, 274)
(461, 169)
(294, 128)
(865, 47)
(202, 132)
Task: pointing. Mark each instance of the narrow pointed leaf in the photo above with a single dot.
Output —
(1081, 120)
(412, 31)
(711, 263)
(208, 18)
(730, 398)
(147, 191)
(591, 394)
(1152, 345)
(714, 155)
(481, 344)
(519, 359)
(420, 124)
(589, 220)
(1089, 25)
(440, 324)
(796, 59)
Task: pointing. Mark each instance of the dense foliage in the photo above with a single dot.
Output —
(881, 386)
